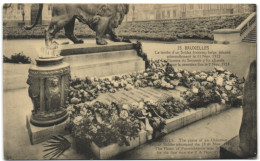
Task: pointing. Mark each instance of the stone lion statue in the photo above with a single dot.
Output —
(102, 18)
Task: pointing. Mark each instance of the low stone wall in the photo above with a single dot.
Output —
(227, 36)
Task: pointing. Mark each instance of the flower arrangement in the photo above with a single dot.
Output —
(106, 124)
(102, 123)
(217, 86)
(116, 123)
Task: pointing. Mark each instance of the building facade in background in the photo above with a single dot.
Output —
(146, 12)
(25, 14)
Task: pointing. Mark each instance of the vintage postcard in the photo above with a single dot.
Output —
(129, 81)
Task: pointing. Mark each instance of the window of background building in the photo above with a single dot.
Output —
(168, 14)
(163, 14)
(174, 13)
(49, 7)
(225, 6)
(191, 6)
(158, 15)
(5, 15)
(206, 6)
(183, 8)
(20, 6)
(200, 6)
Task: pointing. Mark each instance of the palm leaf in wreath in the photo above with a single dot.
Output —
(55, 147)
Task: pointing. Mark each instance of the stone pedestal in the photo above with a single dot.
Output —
(48, 82)
(102, 60)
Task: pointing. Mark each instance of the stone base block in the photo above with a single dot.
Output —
(227, 36)
(100, 61)
(41, 134)
(108, 68)
(231, 150)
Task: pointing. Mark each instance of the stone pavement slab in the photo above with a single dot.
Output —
(15, 76)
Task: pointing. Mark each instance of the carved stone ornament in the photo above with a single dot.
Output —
(48, 88)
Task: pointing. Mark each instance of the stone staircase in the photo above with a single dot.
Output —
(251, 37)
(245, 32)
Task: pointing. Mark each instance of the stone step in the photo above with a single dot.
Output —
(76, 49)
(108, 68)
(251, 37)
(249, 40)
(82, 59)
(102, 60)
(252, 34)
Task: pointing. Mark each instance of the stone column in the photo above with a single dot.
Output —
(48, 88)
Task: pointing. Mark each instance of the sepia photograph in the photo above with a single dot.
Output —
(129, 81)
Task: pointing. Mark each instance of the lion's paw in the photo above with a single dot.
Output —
(101, 42)
(79, 42)
(117, 39)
